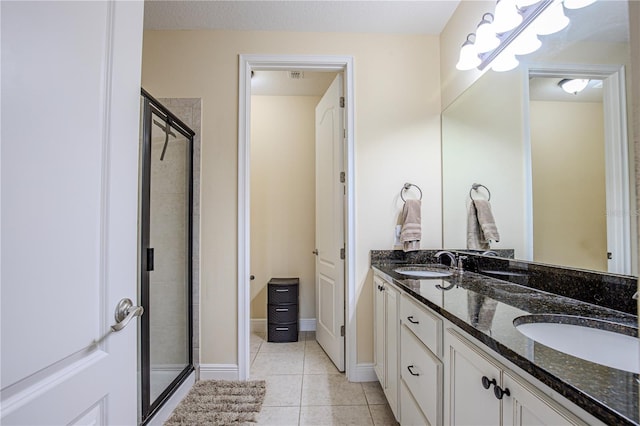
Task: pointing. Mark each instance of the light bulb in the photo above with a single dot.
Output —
(468, 55)
(551, 20)
(526, 42)
(486, 39)
(577, 4)
(506, 61)
(506, 16)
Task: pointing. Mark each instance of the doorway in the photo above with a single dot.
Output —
(255, 63)
(607, 191)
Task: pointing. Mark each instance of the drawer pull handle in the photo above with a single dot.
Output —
(486, 383)
(282, 290)
(412, 321)
(499, 392)
(411, 371)
(282, 310)
(282, 328)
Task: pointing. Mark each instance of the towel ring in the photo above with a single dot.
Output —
(475, 187)
(406, 187)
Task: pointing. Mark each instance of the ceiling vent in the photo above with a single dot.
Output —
(296, 75)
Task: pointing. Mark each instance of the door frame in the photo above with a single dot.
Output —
(248, 63)
(618, 193)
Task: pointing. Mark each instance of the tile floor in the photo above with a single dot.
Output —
(305, 388)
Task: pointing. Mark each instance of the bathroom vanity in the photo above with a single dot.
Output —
(447, 350)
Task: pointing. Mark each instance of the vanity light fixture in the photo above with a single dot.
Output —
(486, 39)
(513, 29)
(573, 85)
(468, 55)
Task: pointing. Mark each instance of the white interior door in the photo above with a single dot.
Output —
(330, 193)
(70, 104)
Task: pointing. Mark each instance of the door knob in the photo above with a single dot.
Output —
(125, 312)
(315, 252)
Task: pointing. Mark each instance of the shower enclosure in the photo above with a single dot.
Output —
(165, 251)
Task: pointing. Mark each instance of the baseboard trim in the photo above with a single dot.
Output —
(364, 373)
(259, 325)
(167, 408)
(219, 372)
(307, 324)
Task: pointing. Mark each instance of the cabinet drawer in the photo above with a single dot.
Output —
(283, 294)
(422, 372)
(282, 333)
(424, 324)
(283, 313)
(410, 413)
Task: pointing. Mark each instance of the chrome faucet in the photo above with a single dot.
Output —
(489, 253)
(451, 256)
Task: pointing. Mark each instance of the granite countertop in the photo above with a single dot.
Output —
(485, 308)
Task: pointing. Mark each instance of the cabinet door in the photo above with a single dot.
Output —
(469, 402)
(392, 299)
(378, 329)
(526, 406)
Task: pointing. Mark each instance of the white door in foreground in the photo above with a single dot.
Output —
(70, 111)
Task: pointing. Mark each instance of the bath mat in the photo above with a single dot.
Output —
(220, 402)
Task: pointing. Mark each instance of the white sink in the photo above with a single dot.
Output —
(583, 338)
(423, 273)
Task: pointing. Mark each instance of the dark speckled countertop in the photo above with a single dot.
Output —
(485, 307)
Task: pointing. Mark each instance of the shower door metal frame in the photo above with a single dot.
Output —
(152, 106)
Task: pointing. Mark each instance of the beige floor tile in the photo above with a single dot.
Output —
(283, 390)
(374, 393)
(318, 363)
(252, 357)
(280, 416)
(310, 335)
(335, 415)
(382, 415)
(313, 346)
(331, 389)
(255, 341)
(283, 347)
(267, 364)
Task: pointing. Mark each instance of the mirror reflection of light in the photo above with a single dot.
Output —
(527, 42)
(551, 20)
(577, 4)
(506, 61)
(573, 86)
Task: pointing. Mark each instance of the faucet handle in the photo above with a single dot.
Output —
(461, 260)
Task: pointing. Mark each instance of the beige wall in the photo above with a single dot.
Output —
(283, 197)
(569, 197)
(397, 140)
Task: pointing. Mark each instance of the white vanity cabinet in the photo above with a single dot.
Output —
(481, 391)
(385, 339)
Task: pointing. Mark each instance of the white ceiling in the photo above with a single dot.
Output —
(381, 16)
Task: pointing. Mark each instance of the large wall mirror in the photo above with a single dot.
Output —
(558, 165)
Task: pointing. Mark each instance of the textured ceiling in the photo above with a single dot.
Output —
(405, 17)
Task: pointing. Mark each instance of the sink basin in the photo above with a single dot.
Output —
(602, 342)
(424, 272)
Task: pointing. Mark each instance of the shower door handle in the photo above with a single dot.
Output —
(125, 312)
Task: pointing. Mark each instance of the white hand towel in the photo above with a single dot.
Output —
(481, 226)
(411, 231)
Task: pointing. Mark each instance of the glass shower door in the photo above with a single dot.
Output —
(166, 257)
